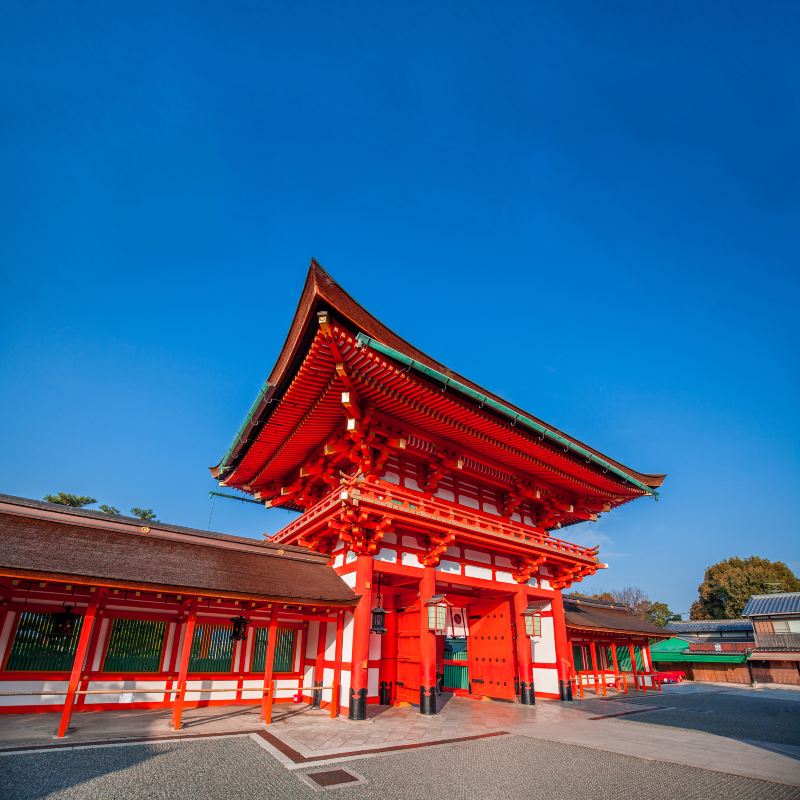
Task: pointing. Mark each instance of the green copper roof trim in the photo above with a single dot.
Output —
(247, 420)
(484, 400)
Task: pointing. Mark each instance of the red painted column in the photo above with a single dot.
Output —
(524, 658)
(337, 666)
(427, 644)
(77, 664)
(186, 651)
(361, 626)
(268, 696)
(562, 647)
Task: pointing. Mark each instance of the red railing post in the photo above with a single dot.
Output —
(186, 651)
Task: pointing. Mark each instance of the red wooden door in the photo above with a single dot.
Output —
(491, 649)
(407, 683)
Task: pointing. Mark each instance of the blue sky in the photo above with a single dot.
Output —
(592, 212)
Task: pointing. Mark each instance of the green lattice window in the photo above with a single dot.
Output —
(35, 649)
(212, 649)
(456, 676)
(284, 650)
(577, 657)
(134, 645)
(624, 658)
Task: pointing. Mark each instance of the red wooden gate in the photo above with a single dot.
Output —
(491, 649)
(407, 684)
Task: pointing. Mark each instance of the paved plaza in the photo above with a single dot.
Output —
(686, 742)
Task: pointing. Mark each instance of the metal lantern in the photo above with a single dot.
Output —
(64, 623)
(239, 630)
(437, 614)
(378, 615)
(533, 622)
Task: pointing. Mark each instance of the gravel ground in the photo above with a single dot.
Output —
(514, 768)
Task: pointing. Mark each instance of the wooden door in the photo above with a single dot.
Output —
(408, 668)
(491, 650)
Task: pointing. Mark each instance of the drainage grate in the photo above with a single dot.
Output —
(331, 779)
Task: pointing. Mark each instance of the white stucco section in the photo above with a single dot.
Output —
(450, 567)
(454, 551)
(350, 557)
(347, 637)
(533, 583)
(339, 560)
(477, 572)
(386, 554)
(411, 560)
(33, 686)
(375, 644)
(372, 682)
(350, 579)
(544, 648)
(503, 561)
(477, 555)
(311, 639)
(504, 577)
(410, 541)
(330, 641)
(327, 680)
(390, 537)
(545, 680)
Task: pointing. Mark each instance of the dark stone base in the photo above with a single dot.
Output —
(565, 690)
(358, 704)
(385, 693)
(526, 694)
(316, 695)
(427, 700)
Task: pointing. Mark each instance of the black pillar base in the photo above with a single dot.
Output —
(427, 700)
(565, 690)
(385, 693)
(358, 704)
(526, 694)
(316, 695)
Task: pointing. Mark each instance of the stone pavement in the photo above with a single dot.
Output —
(753, 734)
(511, 767)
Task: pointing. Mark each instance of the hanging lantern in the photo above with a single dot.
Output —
(533, 622)
(378, 614)
(64, 623)
(239, 630)
(437, 614)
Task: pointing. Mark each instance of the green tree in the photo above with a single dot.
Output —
(67, 499)
(146, 514)
(729, 584)
(110, 510)
(637, 601)
(658, 614)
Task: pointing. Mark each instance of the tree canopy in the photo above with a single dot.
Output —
(68, 499)
(113, 510)
(728, 585)
(146, 514)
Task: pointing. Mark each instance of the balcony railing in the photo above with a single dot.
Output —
(399, 499)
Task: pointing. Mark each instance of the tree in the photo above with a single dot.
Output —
(67, 499)
(147, 514)
(659, 614)
(110, 510)
(729, 584)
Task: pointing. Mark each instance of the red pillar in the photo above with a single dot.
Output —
(361, 626)
(268, 695)
(562, 647)
(186, 651)
(427, 644)
(337, 666)
(77, 664)
(524, 658)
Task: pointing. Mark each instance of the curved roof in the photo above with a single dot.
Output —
(584, 613)
(766, 605)
(321, 292)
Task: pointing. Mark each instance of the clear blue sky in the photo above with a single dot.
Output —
(592, 211)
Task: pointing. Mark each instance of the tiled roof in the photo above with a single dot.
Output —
(710, 626)
(588, 613)
(765, 605)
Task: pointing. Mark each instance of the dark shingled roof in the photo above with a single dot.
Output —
(710, 626)
(591, 614)
(767, 605)
(64, 546)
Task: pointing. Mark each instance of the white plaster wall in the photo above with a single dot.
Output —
(311, 639)
(477, 572)
(477, 555)
(504, 577)
(194, 689)
(327, 680)
(330, 642)
(545, 680)
(386, 554)
(450, 567)
(545, 646)
(372, 682)
(411, 560)
(349, 579)
(375, 644)
(119, 692)
(33, 686)
(347, 637)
